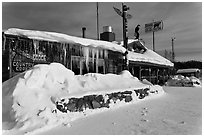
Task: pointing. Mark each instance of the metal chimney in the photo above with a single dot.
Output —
(83, 32)
(108, 34)
(107, 29)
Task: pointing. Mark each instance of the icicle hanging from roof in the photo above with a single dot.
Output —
(93, 56)
(4, 44)
(105, 54)
(65, 52)
(86, 55)
(36, 44)
(97, 50)
(101, 52)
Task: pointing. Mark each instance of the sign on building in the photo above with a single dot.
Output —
(154, 26)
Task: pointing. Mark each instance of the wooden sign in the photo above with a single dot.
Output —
(154, 26)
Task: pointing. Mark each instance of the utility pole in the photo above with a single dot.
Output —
(97, 21)
(153, 41)
(172, 44)
(153, 37)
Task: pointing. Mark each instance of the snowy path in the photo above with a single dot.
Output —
(177, 112)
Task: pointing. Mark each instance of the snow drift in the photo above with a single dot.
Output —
(31, 99)
(182, 81)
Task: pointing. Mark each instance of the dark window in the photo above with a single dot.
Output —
(76, 65)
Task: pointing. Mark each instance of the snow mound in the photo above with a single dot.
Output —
(126, 74)
(145, 81)
(29, 99)
(180, 80)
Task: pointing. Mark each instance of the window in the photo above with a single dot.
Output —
(76, 50)
(88, 67)
(101, 66)
(76, 65)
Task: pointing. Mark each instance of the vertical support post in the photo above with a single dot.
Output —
(132, 70)
(157, 76)
(149, 74)
(10, 60)
(140, 72)
(163, 76)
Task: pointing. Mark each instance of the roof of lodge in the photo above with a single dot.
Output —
(64, 38)
(148, 56)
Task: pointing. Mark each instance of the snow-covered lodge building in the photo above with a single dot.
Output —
(22, 49)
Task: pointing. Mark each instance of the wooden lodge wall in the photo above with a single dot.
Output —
(20, 53)
(156, 74)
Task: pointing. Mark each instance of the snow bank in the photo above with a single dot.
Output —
(179, 80)
(30, 99)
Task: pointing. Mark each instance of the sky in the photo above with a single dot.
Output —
(182, 20)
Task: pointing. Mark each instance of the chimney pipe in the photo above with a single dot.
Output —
(83, 32)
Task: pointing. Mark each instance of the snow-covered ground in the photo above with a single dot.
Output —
(40, 101)
(48, 96)
(177, 112)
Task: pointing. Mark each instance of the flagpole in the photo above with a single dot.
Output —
(97, 22)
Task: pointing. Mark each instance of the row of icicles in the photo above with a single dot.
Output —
(86, 50)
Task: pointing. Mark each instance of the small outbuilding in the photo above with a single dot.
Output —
(189, 72)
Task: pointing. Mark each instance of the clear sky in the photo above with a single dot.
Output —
(182, 20)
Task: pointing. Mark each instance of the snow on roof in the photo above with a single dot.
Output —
(59, 37)
(148, 56)
(188, 70)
